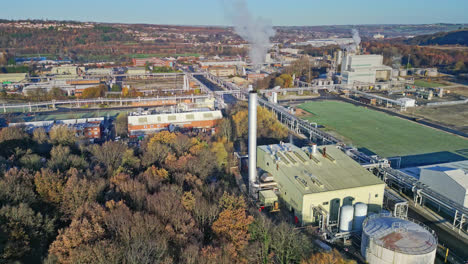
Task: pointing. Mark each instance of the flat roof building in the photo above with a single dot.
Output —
(147, 124)
(316, 183)
(12, 77)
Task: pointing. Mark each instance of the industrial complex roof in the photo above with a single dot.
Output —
(458, 171)
(314, 173)
(400, 235)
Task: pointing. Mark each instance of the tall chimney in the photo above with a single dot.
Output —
(252, 138)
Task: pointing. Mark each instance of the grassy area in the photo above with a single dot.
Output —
(378, 132)
(428, 84)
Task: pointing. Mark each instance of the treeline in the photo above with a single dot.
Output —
(453, 60)
(459, 37)
(171, 200)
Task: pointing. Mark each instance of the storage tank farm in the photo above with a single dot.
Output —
(387, 239)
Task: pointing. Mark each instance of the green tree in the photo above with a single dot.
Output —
(116, 88)
(24, 233)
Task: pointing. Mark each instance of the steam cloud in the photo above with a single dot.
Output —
(256, 31)
(357, 40)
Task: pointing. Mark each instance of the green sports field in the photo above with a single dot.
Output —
(380, 133)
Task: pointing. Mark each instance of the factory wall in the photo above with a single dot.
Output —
(333, 200)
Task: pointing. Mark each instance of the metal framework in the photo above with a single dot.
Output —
(120, 101)
(423, 193)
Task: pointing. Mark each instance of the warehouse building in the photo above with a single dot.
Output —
(223, 71)
(147, 124)
(6, 78)
(316, 181)
(449, 179)
(364, 68)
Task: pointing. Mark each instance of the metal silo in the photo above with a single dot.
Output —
(346, 218)
(360, 214)
(388, 239)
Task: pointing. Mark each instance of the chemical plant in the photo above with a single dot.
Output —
(324, 187)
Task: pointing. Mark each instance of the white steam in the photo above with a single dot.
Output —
(353, 47)
(257, 31)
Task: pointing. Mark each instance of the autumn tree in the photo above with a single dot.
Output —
(327, 257)
(121, 124)
(95, 92)
(25, 233)
(109, 154)
(62, 159)
(232, 225)
(49, 186)
(62, 135)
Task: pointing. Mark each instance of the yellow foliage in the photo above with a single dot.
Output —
(267, 124)
(163, 137)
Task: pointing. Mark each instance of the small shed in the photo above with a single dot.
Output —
(267, 197)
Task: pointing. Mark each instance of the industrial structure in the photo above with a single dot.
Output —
(364, 68)
(140, 124)
(315, 182)
(448, 179)
(387, 239)
(90, 128)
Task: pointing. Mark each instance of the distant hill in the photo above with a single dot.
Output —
(458, 37)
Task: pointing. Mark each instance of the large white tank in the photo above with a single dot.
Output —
(387, 240)
(346, 218)
(360, 213)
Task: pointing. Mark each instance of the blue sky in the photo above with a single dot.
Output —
(210, 12)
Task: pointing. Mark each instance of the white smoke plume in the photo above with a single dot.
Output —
(255, 30)
(353, 47)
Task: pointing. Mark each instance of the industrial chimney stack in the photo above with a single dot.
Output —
(252, 139)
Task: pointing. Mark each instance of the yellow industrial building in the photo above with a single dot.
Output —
(316, 181)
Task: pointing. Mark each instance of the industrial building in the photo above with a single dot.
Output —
(154, 61)
(364, 69)
(136, 70)
(223, 71)
(208, 63)
(70, 87)
(448, 179)
(387, 239)
(147, 123)
(6, 78)
(326, 42)
(316, 181)
(90, 128)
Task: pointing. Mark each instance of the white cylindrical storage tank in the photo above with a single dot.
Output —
(360, 213)
(388, 239)
(403, 73)
(346, 218)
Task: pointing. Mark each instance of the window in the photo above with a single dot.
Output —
(207, 115)
(268, 163)
(325, 203)
(172, 118)
(190, 117)
(142, 120)
(376, 195)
